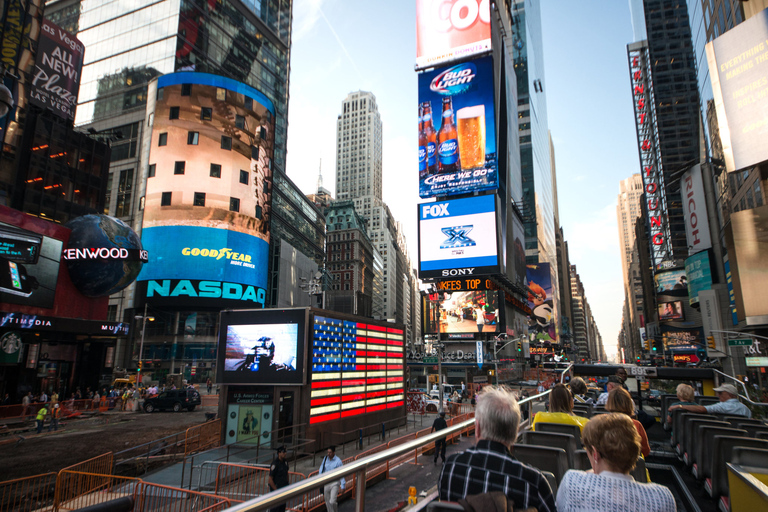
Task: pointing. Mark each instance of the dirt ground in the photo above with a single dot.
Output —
(82, 439)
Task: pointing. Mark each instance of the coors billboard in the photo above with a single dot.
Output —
(56, 78)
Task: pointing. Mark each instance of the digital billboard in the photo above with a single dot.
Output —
(447, 30)
(462, 312)
(209, 190)
(670, 310)
(56, 79)
(671, 282)
(542, 322)
(698, 273)
(695, 210)
(747, 241)
(458, 123)
(458, 237)
(737, 68)
(262, 347)
(357, 368)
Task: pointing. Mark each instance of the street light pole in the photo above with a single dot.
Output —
(141, 345)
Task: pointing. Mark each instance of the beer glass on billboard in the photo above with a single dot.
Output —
(471, 125)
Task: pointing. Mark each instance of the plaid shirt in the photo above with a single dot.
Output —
(488, 467)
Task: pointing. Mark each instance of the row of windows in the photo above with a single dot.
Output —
(193, 139)
(215, 172)
(199, 200)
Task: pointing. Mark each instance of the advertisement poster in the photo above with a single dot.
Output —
(747, 242)
(542, 320)
(458, 237)
(56, 79)
(698, 273)
(457, 114)
(462, 312)
(670, 310)
(738, 68)
(671, 282)
(249, 424)
(452, 29)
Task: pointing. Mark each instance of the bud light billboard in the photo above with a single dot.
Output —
(458, 237)
(448, 30)
(457, 131)
(209, 192)
(541, 300)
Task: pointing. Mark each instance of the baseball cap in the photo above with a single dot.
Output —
(56, 406)
(281, 449)
(728, 388)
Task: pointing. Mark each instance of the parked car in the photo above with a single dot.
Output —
(654, 396)
(174, 399)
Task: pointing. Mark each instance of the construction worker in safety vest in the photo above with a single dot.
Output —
(41, 414)
(55, 415)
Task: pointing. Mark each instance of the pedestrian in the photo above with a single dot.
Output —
(480, 317)
(54, 398)
(209, 384)
(278, 475)
(7, 399)
(55, 415)
(489, 465)
(331, 489)
(25, 402)
(43, 397)
(437, 425)
(41, 414)
(78, 394)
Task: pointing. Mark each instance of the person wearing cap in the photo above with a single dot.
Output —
(55, 415)
(729, 404)
(278, 475)
(440, 424)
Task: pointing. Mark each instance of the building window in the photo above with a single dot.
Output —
(226, 142)
(234, 204)
(215, 171)
(199, 199)
(160, 94)
(248, 103)
(254, 152)
(179, 167)
(163, 141)
(174, 114)
(124, 189)
(151, 172)
(112, 313)
(240, 122)
(258, 212)
(221, 94)
(165, 200)
(206, 114)
(243, 177)
(193, 138)
(186, 89)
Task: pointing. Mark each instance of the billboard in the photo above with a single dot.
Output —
(670, 310)
(462, 312)
(56, 79)
(447, 30)
(542, 322)
(737, 68)
(698, 273)
(208, 196)
(357, 368)
(747, 241)
(695, 210)
(461, 150)
(262, 347)
(674, 337)
(671, 282)
(458, 237)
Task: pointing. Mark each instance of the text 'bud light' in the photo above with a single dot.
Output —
(454, 80)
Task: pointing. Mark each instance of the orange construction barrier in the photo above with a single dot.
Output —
(28, 494)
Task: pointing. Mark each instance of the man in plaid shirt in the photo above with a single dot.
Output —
(489, 466)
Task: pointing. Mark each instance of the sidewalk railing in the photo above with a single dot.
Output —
(33, 493)
(202, 437)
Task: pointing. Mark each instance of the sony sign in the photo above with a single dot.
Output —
(695, 210)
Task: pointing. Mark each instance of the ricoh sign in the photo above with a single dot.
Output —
(653, 181)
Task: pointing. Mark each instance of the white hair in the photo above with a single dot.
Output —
(498, 415)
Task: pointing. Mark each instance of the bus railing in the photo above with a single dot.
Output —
(745, 396)
(359, 468)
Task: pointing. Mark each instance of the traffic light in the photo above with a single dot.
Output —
(648, 345)
(711, 342)
(519, 346)
(139, 366)
(653, 347)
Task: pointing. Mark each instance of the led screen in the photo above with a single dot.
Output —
(671, 282)
(671, 310)
(262, 347)
(698, 273)
(449, 30)
(542, 321)
(457, 312)
(458, 237)
(458, 147)
(29, 267)
(208, 199)
(357, 368)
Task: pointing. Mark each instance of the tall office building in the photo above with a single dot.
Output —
(628, 209)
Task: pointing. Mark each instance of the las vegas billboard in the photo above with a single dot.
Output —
(447, 30)
(458, 237)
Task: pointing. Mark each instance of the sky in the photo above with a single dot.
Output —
(339, 46)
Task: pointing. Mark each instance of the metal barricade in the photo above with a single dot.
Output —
(240, 482)
(202, 437)
(27, 494)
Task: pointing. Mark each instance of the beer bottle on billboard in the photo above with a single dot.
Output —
(431, 134)
(448, 141)
(423, 172)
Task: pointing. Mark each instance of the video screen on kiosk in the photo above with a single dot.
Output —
(262, 347)
(671, 310)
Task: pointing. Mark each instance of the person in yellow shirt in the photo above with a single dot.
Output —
(41, 414)
(560, 409)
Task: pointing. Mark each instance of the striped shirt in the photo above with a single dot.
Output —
(580, 491)
(488, 467)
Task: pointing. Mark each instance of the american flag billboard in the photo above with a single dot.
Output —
(356, 368)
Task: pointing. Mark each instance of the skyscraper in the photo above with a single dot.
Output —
(628, 209)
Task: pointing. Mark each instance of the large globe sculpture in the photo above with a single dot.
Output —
(97, 263)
